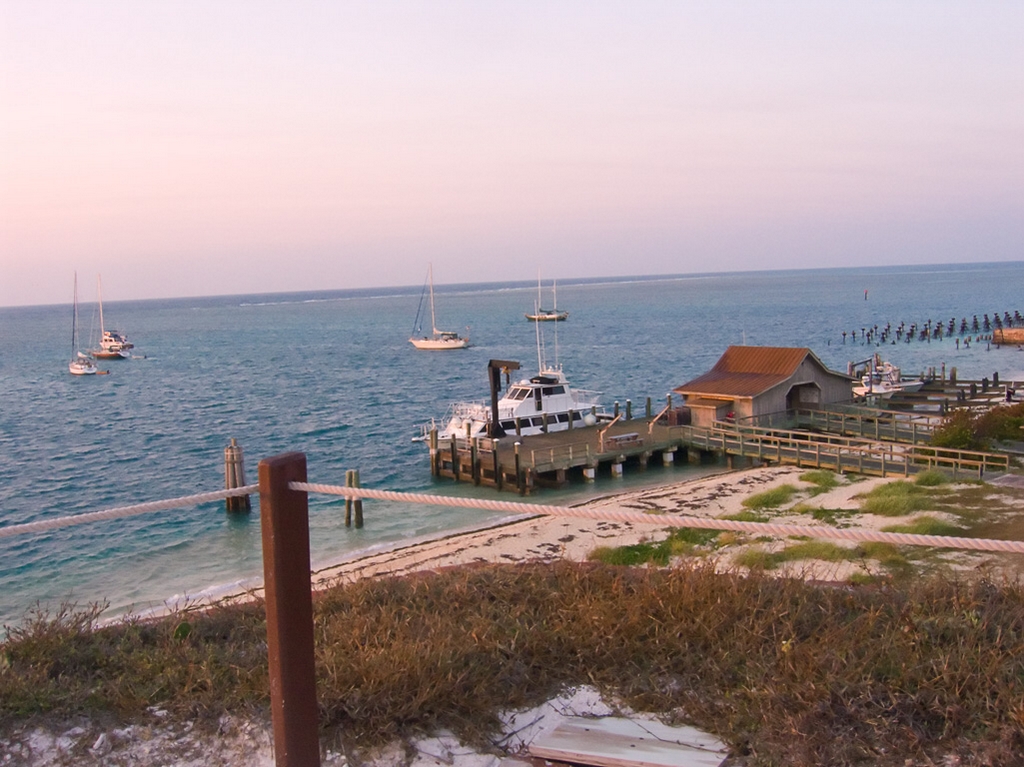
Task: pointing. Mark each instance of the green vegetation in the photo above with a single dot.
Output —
(784, 671)
(925, 526)
(930, 478)
(964, 430)
(822, 480)
(770, 499)
(895, 499)
(746, 516)
(679, 542)
(762, 559)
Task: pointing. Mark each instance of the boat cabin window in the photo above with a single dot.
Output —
(518, 392)
(563, 418)
(549, 390)
(538, 420)
(508, 425)
(577, 416)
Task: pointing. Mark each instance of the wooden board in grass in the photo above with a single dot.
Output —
(617, 742)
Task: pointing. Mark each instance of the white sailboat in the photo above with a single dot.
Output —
(113, 345)
(439, 340)
(80, 364)
(547, 315)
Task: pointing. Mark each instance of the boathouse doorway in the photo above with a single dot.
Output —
(806, 396)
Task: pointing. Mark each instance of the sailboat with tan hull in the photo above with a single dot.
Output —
(439, 340)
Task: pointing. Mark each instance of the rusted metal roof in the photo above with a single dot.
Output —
(746, 371)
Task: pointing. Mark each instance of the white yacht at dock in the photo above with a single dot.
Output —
(536, 405)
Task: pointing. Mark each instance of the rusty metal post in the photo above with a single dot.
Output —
(284, 516)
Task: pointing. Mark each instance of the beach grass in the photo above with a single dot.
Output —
(680, 542)
(822, 479)
(895, 499)
(786, 672)
(770, 499)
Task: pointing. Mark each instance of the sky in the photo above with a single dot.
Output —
(206, 148)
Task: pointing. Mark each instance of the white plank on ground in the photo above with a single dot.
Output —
(618, 742)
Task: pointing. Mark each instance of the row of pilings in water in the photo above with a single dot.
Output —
(929, 330)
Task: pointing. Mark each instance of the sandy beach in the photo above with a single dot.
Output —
(548, 538)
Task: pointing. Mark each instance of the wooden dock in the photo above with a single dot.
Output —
(550, 460)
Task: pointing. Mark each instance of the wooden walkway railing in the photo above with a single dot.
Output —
(869, 423)
(839, 453)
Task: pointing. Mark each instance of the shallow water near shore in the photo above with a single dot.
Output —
(332, 374)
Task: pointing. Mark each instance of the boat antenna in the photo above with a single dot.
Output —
(556, 345)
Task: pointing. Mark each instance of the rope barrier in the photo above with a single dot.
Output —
(514, 507)
(669, 520)
(125, 511)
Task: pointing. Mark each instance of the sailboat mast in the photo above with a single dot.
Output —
(99, 297)
(433, 322)
(74, 320)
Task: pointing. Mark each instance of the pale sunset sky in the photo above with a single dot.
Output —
(202, 148)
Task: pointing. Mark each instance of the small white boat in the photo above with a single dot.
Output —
(439, 340)
(547, 315)
(883, 379)
(80, 364)
(113, 345)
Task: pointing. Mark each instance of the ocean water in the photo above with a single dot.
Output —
(332, 374)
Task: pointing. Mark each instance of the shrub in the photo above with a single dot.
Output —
(959, 431)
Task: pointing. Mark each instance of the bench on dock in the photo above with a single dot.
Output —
(624, 440)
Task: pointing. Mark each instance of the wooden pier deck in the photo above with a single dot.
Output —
(524, 463)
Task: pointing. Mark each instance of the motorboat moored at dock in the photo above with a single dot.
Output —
(883, 379)
(538, 405)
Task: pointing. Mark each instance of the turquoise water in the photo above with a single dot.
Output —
(333, 375)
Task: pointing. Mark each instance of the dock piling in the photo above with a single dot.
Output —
(234, 476)
(353, 504)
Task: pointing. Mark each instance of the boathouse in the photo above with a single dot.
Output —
(757, 380)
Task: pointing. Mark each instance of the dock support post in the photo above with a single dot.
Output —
(455, 458)
(617, 466)
(435, 455)
(234, 476)
(589, 473)
(615, 412)
(572, 418)
(519, 471)
(648, 410)
(474, 460)
(284, 518)
(668, 457)
(497, 465)
(629, 410)
(352, 480)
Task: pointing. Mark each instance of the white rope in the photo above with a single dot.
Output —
(125, 511)
(668, 520)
